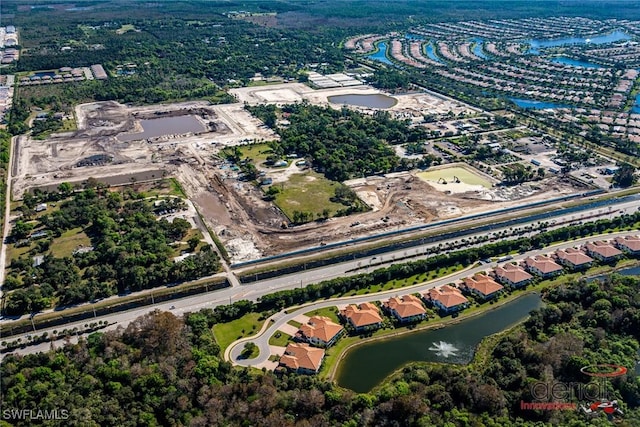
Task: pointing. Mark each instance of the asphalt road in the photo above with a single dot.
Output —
(280, 318)
(255, 290)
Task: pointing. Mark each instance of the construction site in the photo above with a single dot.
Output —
(121, 145)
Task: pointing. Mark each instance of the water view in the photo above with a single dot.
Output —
(536, 105)
(477, 48)
(164, 126)
(381, 54)
(631, 271)
(431, 54)
(636, 105)
(366, 365)
(574, 62)
(375, 100)
(602, 39)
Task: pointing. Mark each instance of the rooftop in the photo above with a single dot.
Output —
(362, 315)
(630, 242)
(543, 263)
(447, 295)
(406, 306)
(605, 249)
(512, 272)
(574, 256)
(483, 284)
(320, 327)
(302, 356)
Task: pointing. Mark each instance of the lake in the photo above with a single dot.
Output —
(431, 54)
(602, 39)
(636, 105)
(164, 126)
(631, 271)
(375, 100)
(381, 54)
(366, 365)
(575, 62)
(536, 105)
(477, 48)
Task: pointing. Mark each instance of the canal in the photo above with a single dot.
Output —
(366, 365)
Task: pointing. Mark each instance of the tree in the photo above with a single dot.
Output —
(21, 230)
(625, 175)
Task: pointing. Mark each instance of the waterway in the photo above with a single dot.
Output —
(536, 105)
(431, 54)
(477, 48)
(381, 54)
(631, 271)
(636, 105)
(574, 62)
(614, 36)
(376, 100)
(366, 365)
(164, 126)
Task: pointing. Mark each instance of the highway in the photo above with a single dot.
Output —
(255, 290)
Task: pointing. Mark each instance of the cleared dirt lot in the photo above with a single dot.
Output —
(249, 226)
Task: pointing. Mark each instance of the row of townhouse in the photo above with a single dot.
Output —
(321, 332)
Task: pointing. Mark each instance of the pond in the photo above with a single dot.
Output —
(164, 126)
(636, 105)
(477, 48)
(614, 36)
(381, 54)
(631, 271)
(536, 105)
(374, 100)
(366, 365)
(574, 62)
(431, 54)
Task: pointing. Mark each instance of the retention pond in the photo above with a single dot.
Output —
(366, 365)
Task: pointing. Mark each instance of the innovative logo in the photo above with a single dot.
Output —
(556, 395)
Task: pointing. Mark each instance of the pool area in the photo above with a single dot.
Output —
(374, 100)
(455, 179)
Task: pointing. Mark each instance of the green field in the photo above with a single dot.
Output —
(68, 242)
(449, 174)
(258, 153)
(307, 192)
(226, 333)
(329, 312)
(280, 339)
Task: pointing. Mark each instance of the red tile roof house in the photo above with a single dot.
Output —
(447, 299)
(406, 309)
(542, 266)
(320, 331)
(302, 358)
(603, 251)
(629, 244)
(482, 286)
(574, 258)
(364, 317)
(512, 275)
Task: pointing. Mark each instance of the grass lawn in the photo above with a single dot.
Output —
(125, 28)
(15, 253)
(226, 333)
(69, 241)
(307, 192)
(294, 323)
(258, 153)
(329, 312)
(280, 339)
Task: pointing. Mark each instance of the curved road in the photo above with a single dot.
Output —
(274, 322)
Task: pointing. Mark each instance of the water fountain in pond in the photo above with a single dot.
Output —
(444, 349)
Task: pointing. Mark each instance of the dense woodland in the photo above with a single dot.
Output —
(163, 370)
(344, 143)
(131, 250)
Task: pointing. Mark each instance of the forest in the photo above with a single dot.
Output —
(130, 250)
(342, 144)
(164, 370)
